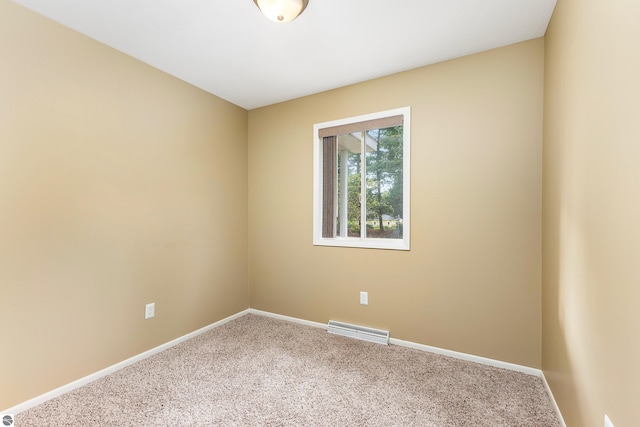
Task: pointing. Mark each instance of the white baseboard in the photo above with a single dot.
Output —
(288, 318)
(553, 401)
(468, 357)
(104, 372)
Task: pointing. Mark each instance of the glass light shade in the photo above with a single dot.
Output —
(281, 10)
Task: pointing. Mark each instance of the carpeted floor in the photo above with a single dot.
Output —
(259, 371)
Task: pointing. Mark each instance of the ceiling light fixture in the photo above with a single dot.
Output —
(281, 10)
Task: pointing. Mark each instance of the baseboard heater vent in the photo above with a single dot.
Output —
(358, 332)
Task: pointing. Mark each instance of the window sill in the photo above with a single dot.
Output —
(355, 242)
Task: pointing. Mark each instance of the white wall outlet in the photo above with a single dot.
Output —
(150, 310)
(364, 298)
(607, 421)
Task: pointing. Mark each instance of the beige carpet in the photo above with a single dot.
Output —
(258, 371)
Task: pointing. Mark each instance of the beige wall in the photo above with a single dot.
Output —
(471, 281)
(119, 186)
(591, 280)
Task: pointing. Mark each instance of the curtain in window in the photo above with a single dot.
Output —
(384, 122)
(329, 176)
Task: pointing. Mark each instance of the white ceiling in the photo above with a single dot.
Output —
(228, 48)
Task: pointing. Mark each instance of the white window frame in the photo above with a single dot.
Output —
(366, 242)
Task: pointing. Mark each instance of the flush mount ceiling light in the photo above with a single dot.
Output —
(281, 10)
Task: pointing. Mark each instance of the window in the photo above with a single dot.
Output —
(361, 181)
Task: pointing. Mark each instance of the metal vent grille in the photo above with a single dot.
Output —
(358, 332)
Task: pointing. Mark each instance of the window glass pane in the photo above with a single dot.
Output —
(383, 173)
(349, 185)
(328, 186)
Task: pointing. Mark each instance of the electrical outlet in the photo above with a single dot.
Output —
(150, 310)
(607, 421)
(364, 298)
